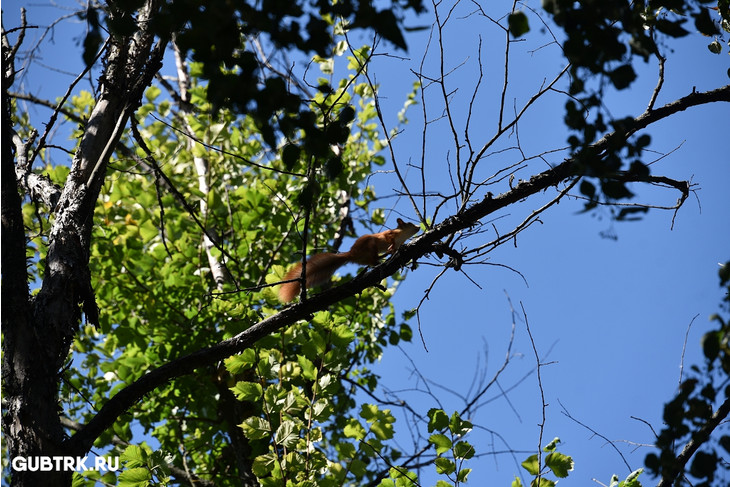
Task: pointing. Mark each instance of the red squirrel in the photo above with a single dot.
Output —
(365, 251)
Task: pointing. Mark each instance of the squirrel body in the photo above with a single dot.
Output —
(365, 251)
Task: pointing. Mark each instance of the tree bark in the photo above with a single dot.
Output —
(38, 331)
(30, 382)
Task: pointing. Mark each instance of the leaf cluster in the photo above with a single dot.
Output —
(224, 36)
(452, 450)
(302, 427)
(603, 38)
(689, 417)
(553, 462)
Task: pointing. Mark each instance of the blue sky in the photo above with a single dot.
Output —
(609, 316)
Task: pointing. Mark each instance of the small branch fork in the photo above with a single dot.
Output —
(422, 245)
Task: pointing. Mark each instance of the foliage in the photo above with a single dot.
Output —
(602, 41)
(222, 38)
(689, 417)
(152, 280)
(632, 480)
(559, 464)
(451, 448)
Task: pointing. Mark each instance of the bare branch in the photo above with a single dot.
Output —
(567, 414)
(660, 77)
(59, 105)
(543, 404)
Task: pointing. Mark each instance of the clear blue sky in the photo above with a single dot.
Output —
(609, 317)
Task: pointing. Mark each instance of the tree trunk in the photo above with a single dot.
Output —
(30, 382)
(38, 331)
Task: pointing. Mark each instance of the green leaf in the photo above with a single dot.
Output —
(369, 412)
(134, 456)
(324, 381)
(715, 47)
(458, 426)
(134, 477)
(463, 450)
(559, 463)
(287, 434)
(320, 410)
(152, 93)
(406, 333)
(552, 445)
(148, 231)
(256, 428)
(383, 430)
(247, 391)
(445, 466)
(437, 420)
(326, 65)
(632, 480)
(531, 465)
(543, 482)
(340, 48)
(264, 464)
(518, 24)
(309, 371)
(354, 430)
(441, 442)
(238, 363)
(346, 450)
(358, 467)
(463, 474)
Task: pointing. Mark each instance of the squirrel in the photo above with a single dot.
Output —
(365, 251)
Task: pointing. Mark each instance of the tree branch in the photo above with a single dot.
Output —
(698, 439)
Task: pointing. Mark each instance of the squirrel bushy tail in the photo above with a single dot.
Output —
(320, 268)
(365, 251)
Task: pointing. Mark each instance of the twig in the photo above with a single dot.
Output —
(595, 433)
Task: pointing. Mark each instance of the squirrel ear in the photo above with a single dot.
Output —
(400, 222)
